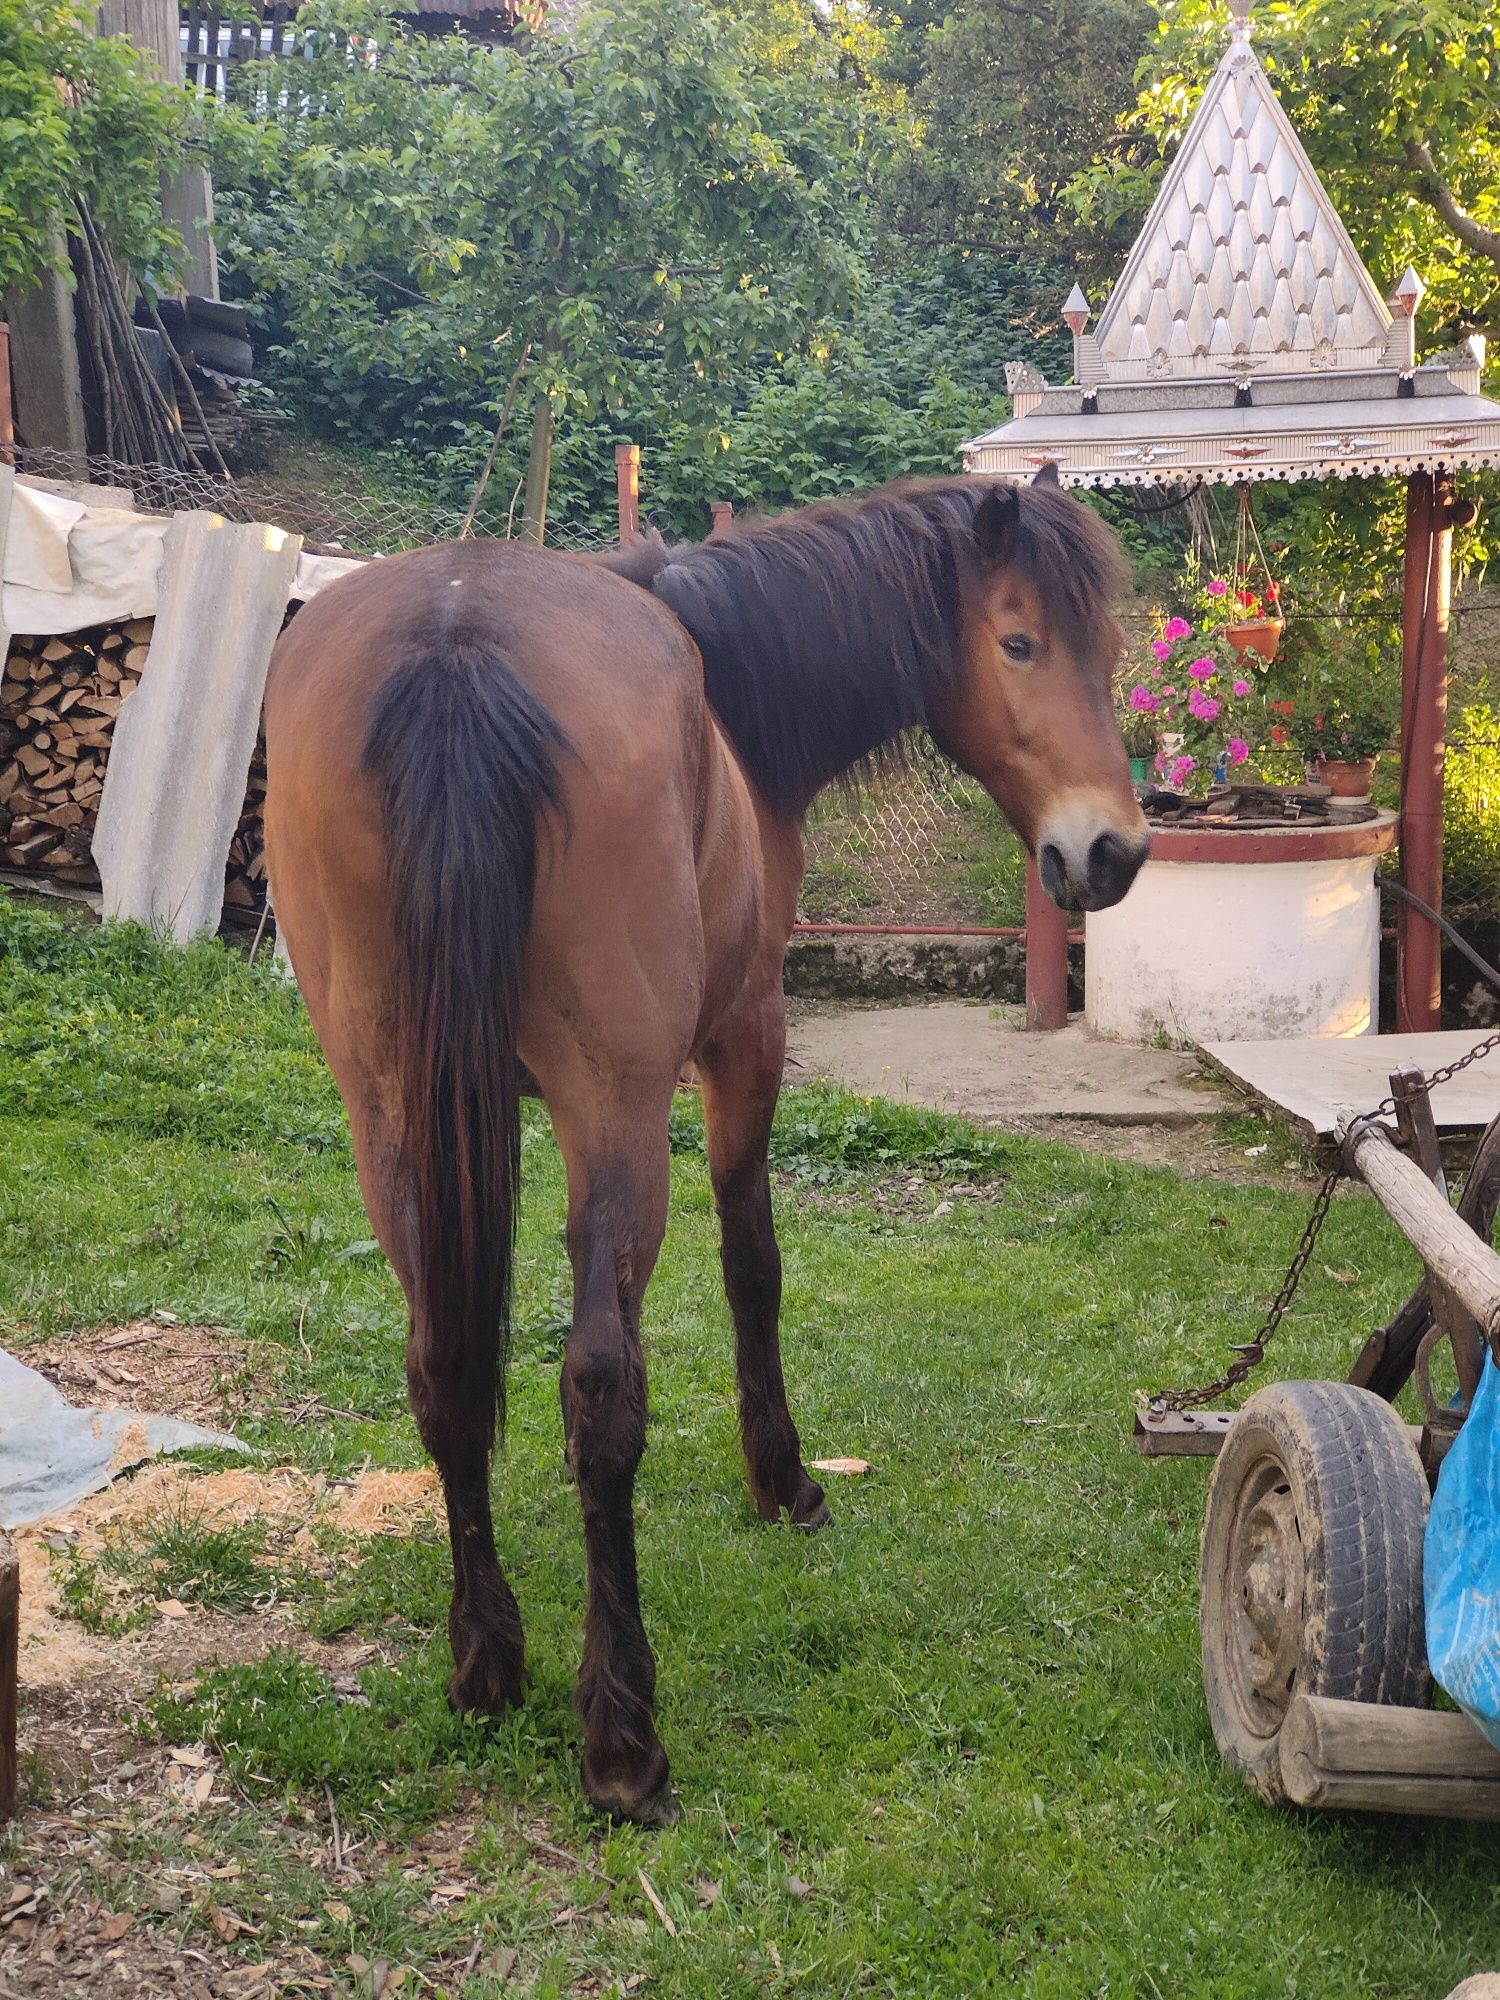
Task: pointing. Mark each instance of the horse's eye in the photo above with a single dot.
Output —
(1017, 649)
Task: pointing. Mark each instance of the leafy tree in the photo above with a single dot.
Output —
(1398, 104)
(430, 217)
(80, 117)
(1015, 98)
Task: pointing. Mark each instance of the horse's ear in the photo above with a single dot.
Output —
(995, 518)
(1048, 474)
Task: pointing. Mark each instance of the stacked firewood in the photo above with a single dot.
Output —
(58, 703)
(245, 881)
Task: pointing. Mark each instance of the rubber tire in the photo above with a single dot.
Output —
(1347, 1476)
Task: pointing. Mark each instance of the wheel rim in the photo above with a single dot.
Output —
(1263, 1640)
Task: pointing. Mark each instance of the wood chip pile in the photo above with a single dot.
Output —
(58, 703)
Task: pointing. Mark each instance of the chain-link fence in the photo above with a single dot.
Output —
(920, 844)
(330, 520)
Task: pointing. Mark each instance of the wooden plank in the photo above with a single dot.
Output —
(10, 1637)
(1356, 1756)
(1452, 1253)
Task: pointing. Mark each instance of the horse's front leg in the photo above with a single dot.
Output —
(617, 1211)
(741, 1072)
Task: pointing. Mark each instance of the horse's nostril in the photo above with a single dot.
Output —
(1112, 867)
(1054, 873)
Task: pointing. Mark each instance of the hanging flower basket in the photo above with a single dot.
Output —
(1255, 635)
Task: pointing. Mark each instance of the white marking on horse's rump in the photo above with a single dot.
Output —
(454, 582)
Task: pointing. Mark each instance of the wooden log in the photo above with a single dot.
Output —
(10, 1639)
(1357, 1756)
(1451, 1251)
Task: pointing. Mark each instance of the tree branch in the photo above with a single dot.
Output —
(1436, 192)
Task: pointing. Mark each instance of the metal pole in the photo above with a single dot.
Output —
(1424, 711)
(628, 488)
(1046, 957)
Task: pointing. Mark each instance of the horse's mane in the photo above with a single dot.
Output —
(824, 632)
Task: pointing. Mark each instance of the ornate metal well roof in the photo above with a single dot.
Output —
(1244, 338)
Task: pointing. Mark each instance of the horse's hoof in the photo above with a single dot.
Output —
(651, 1803)
(817, 1517)
(660, 1810)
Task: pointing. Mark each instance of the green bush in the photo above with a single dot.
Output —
(1471, 809)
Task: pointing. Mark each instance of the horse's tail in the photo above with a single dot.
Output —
(465, 758)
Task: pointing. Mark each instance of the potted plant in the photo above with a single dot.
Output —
(1138, 731)
(1257, 625)
(1200, 700)
(1341, 744)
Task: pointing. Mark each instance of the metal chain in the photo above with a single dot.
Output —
(1251, 1353)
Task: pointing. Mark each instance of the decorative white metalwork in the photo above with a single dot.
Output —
(1243, 263)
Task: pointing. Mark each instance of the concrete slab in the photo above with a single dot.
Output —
(1321, 1079)
(175, 783)
(979, 1062)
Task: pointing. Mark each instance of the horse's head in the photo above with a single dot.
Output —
(1031, 714)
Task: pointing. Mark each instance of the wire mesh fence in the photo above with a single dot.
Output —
(342, 522)
(919, 845)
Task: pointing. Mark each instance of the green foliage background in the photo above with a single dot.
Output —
(80, 117)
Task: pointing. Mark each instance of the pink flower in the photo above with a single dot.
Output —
(1161, 649)
(1143, 701)
(1177, 628)
(1182, 767)
(1218, 587)
(1242, 687)
(1169, 690)
(1202, 705)
(1238, 749)
(1204, 669)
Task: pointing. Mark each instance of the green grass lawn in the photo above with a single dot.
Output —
(954, 1745)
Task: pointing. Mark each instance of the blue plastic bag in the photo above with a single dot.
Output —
(1461, 1563)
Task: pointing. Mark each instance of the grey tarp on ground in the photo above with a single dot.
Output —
(52, 1454)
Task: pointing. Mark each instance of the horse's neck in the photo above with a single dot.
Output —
(837, 717)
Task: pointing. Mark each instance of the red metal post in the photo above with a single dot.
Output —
(723, 514)
(1046, 956)
(7, 408)
(628, 488)
(1424, 712)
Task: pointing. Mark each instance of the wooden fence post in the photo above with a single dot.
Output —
(10, 1638)
(7, 405)
(628, 488)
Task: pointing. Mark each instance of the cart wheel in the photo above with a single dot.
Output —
(1311, 1568)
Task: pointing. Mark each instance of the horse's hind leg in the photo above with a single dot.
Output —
(741, 1072)
(615, 1146)
(453, 1400)
(452, 1393)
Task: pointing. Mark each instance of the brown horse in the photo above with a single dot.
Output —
(522, 810)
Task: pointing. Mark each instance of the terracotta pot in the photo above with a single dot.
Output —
(1347, 779)
(1256, 635)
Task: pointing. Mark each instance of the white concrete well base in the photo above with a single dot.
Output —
(1256, 935)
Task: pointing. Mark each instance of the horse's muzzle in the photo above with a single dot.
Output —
(1109, 866)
